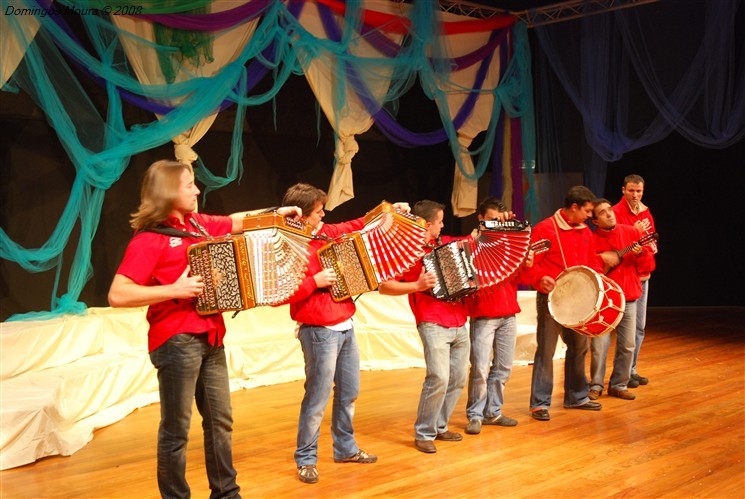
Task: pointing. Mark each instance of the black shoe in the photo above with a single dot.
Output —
(633, 383)
(540, 415)
(587, 406)
(641, 379)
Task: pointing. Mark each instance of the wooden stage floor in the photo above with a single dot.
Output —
(682, 437)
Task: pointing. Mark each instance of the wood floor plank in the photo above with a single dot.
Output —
(682, 437)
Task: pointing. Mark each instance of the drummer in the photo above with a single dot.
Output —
(571, 244)
(608, 239)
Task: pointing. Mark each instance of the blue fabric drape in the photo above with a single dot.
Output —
(634, 83)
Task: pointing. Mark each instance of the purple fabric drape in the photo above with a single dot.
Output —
(214, 21)
(256, 69)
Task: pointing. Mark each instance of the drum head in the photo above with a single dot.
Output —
(575, 298)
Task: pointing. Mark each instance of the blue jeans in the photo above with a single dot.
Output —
(492, 353)
(575, 379)
(188, 368)
(446, 351)
(625, 340)
(332, 360)
(641, 322)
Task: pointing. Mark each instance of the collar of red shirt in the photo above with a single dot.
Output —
(563, 222)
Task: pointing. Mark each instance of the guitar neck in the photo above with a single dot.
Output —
(540, 246)
(645, 240)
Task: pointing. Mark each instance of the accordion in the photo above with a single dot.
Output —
(263, 266)
(390, 243)
(495, 254)
(452, 264)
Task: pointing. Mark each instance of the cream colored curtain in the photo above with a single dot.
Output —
(351, 118)
(12, 49)
(464, 199)
(226, 47)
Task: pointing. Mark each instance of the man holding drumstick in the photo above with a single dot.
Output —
(571, 244)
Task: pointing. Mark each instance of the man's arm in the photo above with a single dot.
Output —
(426, 280)
(125, 292)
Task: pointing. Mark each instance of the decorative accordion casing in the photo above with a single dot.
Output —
(495, 254)
(390, 243)
(263, 266)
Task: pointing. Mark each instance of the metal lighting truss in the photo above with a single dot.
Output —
(539, 16)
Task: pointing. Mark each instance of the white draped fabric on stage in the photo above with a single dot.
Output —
(63, 378)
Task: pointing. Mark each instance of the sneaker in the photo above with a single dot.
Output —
(622, 394)
(500, 420)
(594, 394)
(360, 457)
(641, 379)
(449, 436)
(633, 383)
(474, 427)
(307, 473)
(540, 415)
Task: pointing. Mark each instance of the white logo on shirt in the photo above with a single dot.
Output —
(175, 241)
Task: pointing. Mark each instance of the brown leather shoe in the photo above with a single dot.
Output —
(449, 436)
(622, 394)
(594, 394)
(427, 446)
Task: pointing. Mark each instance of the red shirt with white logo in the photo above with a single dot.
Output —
(153, 259)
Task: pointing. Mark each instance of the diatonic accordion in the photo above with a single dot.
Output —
(390, 243)
(452, 264)
(463, 267)
(262, 266)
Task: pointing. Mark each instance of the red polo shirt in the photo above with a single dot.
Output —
(152, 259)
(427, 308)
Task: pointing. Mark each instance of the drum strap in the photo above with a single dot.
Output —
(558, 239)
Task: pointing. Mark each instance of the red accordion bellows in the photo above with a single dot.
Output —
(390, 243)
(499, 250)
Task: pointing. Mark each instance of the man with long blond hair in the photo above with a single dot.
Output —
(186, 348)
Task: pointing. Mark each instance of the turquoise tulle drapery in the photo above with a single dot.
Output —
(55, 63)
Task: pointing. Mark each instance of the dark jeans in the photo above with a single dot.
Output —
(188, 368)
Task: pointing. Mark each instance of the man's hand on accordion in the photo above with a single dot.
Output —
(325, 278)
(427, 280)
(290, 211)
(403, 207)
(187, 286)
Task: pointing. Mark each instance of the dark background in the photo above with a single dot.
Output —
(695, 194)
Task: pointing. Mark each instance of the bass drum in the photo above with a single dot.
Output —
(586, 301)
